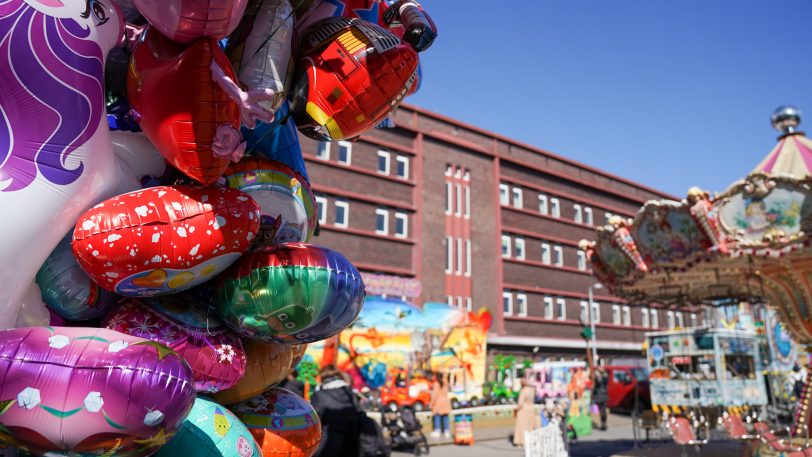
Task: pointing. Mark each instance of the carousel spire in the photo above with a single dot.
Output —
(792, 156)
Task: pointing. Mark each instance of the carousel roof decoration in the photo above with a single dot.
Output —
(750, 243)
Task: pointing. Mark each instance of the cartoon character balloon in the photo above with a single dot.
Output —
(211, 430)
(55, 153)
(184, 21)
(215, 355)
(290, 293)
(282, 423)
(88, 391)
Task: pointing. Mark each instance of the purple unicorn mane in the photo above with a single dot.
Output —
(52, 97)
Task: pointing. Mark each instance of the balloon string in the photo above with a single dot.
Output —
(273, 32)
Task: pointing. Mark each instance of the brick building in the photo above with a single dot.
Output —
(437, 210)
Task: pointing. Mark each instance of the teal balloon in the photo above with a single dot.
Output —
(211, 430)
(68, 291)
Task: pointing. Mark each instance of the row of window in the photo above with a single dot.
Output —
(458, 195)
(460, 302)
(341, 216)
(344, 157)
(548, 206)
(458, 256)
(551, 254)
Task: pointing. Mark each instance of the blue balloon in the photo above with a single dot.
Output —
(68, 291)
(278, 140)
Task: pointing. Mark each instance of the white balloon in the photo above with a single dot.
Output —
(136, 157)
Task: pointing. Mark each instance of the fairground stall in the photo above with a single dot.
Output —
(750, 243)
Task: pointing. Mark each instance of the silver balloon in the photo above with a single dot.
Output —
(68, 291)
(265, 59)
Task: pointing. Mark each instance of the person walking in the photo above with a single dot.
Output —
(338, 411)
(440, 407)
(526, 417)
(600, 393)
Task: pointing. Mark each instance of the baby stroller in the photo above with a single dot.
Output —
(405, 431)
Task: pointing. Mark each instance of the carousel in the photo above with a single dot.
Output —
(751, 243)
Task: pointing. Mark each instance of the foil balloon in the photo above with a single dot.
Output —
(87, 391)
(56, 159)
(290, 293)
(268, 364)
(211, 430)
(187, 103)
(287, 205)
(261, 48)
(282, 423)
(137, 158)
(418, 29)
(164, 240)
(214, 353)
(32, 311)
(277, 140)
(184, 21)
(68, 291)
(352, 75)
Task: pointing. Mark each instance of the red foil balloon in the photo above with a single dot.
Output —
(185, 21)
(186, 114)
(352, 75)
(164, 240)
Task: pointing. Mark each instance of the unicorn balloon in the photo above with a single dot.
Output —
(56, 155)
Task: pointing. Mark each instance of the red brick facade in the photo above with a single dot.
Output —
(393, 197)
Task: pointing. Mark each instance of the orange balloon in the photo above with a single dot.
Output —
(283, 423)
(268, 364)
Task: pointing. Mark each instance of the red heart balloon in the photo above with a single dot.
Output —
(179, 105)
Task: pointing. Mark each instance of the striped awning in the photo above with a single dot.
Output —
(791, 156)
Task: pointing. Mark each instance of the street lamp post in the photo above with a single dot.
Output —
(591, 312)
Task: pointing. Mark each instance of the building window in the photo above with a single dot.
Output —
(467, 201)
(596, 312)
(342, 213)
(545, 253)
(449, 198)
(680, 322)
(505, 246)
(459, 302)
(401, 225)
(507, 303)
(644, 317)
(562, 309)
(693, 320)
(344, 152)
(548, 307)
(555, 207)
(558, 256)
(584, 312)
(321, 209)
(521, 304)
(518, 197)
(543, 204)
(402, 167)
(450, 300)
(449, 170)
(579, 216)
(504, 194)
(382, 221)
(670, 319)
(588, 215)
(467, 257)
(616, 314)
(468, 304)
(458, 209)
(323, 150)
(459, 256)
(518, 244)
(581, 260)
(449, 254)
(383, 162)
(627, 316)
(654, 322)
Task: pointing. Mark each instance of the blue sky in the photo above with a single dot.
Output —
(668, 93)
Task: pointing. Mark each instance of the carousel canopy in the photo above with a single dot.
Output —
(749, 243)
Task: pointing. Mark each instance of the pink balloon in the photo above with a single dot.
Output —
(185, 21)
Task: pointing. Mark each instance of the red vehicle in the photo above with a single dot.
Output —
(624, 380)
(400, 391)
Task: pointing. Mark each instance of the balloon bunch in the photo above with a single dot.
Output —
(157, 202)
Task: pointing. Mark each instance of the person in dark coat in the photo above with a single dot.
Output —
(338, 411)
(600, 393)
(292, 384)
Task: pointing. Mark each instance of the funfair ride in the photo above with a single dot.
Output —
(749, 243)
